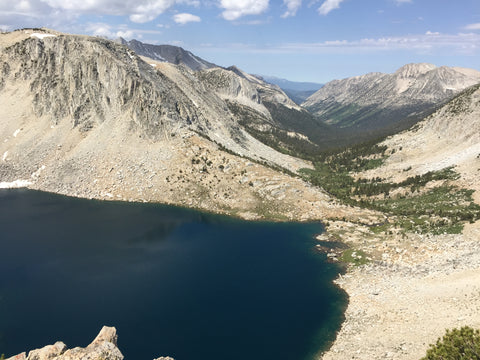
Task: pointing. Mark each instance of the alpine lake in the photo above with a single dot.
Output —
(173, 281)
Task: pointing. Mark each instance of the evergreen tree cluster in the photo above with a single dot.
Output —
(456, 344)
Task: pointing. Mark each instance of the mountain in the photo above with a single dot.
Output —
(168, 53)
(291, 85)
(263, 109)
(448, 137)
(377, 101)
(85, 116)
(266, 112)
(297, 91)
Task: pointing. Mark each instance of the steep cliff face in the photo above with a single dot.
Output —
(379, 100)
(90, 80)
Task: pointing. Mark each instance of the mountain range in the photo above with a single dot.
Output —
(85, 116)
(339, 113)
(90, 117)
(377, 101)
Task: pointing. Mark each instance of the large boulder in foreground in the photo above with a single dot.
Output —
(103, 347)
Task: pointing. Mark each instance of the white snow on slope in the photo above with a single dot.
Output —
(42, 36)
(15, 184)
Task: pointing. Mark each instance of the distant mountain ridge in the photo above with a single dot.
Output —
(168, 53)
(297, 91)
(292, 85)
(377, 100)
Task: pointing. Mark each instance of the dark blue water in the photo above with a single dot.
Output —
(172, 281)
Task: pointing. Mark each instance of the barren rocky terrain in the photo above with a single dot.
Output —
(415, 285)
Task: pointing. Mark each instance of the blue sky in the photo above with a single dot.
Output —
(301, 40)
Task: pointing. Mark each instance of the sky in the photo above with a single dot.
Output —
(299, 40)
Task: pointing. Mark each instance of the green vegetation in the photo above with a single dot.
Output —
(2, 357)
(355, 257)
(463, 344)
(441, 209)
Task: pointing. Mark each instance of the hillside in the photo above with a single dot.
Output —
(423, 272)
(378, 102)
(263, 108)
(450, 137)
(167, 53)
(87, 117)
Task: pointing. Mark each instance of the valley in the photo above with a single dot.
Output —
(91, 118)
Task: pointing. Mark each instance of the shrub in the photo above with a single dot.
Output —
(463, 344)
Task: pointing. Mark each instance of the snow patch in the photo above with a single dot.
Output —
(15, 184)
(154, 65)
(16, 133)
(42, 36)
(5, 154)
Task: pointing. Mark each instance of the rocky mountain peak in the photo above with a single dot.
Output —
(414, 70)
(376, 101)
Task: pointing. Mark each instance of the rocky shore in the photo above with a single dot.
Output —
(408, 294)
(103, 347)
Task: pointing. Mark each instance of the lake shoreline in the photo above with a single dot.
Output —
(385, 297)
(271, 275)
(412, 290)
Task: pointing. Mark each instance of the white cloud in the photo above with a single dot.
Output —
(139, 11)
(400, 2)
(52, 11)
(440, 44)
(473, 26)
(426, 43)
(292, 7)
(235, 9)
(108, 31)
(329, 5)
(432, 33)
(185, 18)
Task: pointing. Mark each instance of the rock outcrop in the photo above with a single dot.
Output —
(376, 100)
(103, 347)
